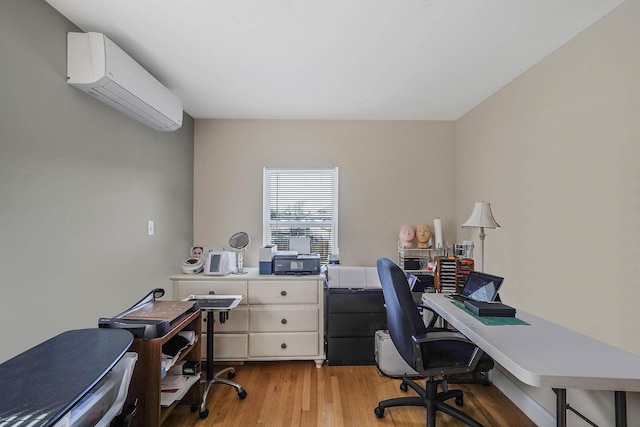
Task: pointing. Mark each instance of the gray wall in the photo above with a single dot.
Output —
(78, 182)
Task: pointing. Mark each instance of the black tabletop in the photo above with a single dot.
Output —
(40, 385)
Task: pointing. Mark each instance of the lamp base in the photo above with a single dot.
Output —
(482, 248)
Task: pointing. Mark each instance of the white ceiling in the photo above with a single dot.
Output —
(335, 59)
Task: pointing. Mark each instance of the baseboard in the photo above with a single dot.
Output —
(532, 409)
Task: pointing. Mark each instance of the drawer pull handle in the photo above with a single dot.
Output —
(283, 321)
(283, 293)
(283, 345)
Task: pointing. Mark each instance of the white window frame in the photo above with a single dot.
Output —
(268, 223)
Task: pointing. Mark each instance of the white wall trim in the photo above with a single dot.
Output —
(532, 409)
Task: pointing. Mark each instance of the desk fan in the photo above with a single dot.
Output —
(239, 243)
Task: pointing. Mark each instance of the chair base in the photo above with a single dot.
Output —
(231, 372)
(431, 399)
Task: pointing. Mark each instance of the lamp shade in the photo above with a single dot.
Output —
(481, 217)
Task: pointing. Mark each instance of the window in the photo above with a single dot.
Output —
(301, 203)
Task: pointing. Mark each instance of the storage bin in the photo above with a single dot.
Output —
(106, 399)
(388, 359)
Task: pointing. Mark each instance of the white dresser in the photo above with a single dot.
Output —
(279, 318)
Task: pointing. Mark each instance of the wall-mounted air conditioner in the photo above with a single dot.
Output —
(97, 66)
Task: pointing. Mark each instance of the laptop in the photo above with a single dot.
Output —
(479, 287)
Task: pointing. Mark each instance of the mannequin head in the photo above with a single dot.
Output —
(424, 235)
(406, 236)
(196, 252)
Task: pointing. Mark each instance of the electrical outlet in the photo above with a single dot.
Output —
(150, 228)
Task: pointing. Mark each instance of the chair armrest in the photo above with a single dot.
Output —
(434, 318)
(443, 336)
(440, 335)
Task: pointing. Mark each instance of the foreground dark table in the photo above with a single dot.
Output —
(42, 384)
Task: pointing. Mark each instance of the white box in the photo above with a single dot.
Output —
(388, 359)
(266, 253)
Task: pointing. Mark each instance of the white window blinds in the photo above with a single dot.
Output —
(301, 203)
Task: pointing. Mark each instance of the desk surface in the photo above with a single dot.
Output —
(253, 273)
(40, 385)
(544, 354)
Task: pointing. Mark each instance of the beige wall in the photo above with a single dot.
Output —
(391, 173)
(556, 153)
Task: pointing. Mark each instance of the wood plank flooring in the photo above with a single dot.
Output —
(284, 394)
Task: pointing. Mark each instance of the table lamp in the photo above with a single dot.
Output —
(481, 218)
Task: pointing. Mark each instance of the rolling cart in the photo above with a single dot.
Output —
(211, 304)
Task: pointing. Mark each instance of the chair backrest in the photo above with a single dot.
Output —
(403, 318)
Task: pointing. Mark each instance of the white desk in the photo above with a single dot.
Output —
(544, 354)
(280, 318)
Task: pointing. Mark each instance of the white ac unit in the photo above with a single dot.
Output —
(97, 66)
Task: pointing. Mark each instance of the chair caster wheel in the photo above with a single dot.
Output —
(204, 414)
(404, 387)
(231, 375)
(379, 412)
(194, 408)
(459, 401)
(242, 394)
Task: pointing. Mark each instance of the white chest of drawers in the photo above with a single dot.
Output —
(280, 318)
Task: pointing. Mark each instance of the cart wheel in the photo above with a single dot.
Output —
(204, 414)
(379, 412)
(231, 375)
(404, 387)
(242, 394)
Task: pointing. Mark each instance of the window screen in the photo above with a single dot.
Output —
(301, 203)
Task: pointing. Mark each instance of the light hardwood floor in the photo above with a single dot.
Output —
(283, 394)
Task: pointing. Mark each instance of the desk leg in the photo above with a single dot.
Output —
(214, 378)
(621, 408)
(561, 407)
(210, 321)
(209, 377)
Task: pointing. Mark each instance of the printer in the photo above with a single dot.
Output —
(296, 264)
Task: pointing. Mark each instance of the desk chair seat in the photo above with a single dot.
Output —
(434, 353)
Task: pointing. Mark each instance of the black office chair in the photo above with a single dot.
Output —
(432, 352)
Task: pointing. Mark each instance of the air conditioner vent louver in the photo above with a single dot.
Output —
(97, 66)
